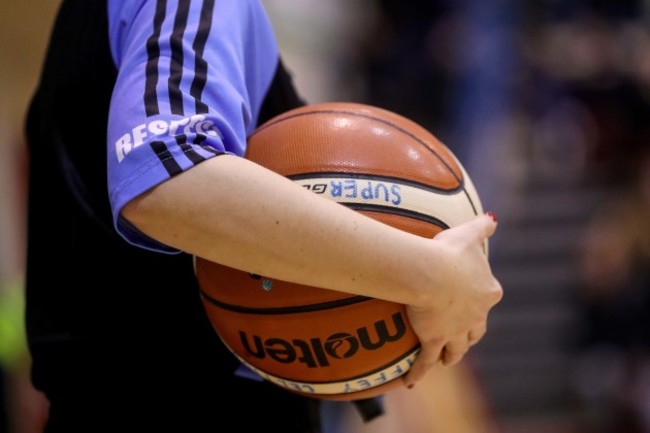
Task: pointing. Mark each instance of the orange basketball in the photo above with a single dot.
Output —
(323, 343)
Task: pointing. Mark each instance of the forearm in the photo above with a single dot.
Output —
(232, 211)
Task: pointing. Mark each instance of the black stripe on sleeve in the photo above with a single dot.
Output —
(200, 140)
(166, 158)
(201, 66)
(176, 66)
(188, 150)
(211, 149)
(153, 56)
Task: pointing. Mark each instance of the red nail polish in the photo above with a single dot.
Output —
(492, 215)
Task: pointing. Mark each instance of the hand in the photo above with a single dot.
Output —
(455, 318)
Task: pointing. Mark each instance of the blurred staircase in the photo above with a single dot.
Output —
(524, 363)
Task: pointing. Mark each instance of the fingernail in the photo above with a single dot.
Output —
(492, 215)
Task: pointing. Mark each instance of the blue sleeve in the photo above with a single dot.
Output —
(192, 76)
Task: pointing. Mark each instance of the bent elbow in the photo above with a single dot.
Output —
(140, 211)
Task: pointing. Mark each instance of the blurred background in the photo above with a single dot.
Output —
(545, 102)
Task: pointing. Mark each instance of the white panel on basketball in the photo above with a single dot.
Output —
(342, 387)
(449, 207)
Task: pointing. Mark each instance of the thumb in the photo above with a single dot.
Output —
(491, 225)
(483, 226)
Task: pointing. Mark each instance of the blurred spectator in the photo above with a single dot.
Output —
(613, 379)
(581, 78)
(409, 57)
(595, 57)
(22, 409)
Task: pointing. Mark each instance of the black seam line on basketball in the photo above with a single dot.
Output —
(366, 116)
(461, 181)
(166, 158)
(471, 202)
(286, 310)
(349, 379)
(395, 211)
(176, 65)
(200, 64)
(153, 57)
(375, 177)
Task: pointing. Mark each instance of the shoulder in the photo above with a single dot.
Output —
(242, 22)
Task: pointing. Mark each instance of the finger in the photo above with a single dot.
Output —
(454, 351)
(486, 224)
(481, 227)
(428, 356)
(492, 215)
(475, 335)
(497, 292)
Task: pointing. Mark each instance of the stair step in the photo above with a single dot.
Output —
(555, 205)
(535, 242)
(511, 332)
(526, 282)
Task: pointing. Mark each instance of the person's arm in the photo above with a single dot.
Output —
(232, 211)
(191, 83)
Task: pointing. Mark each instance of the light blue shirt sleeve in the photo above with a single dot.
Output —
(192, 77)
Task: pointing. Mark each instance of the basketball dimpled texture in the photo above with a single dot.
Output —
(324, 343)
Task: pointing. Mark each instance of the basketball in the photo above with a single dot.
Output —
(322, 343)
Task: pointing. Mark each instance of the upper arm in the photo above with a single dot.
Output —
(192, 77)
